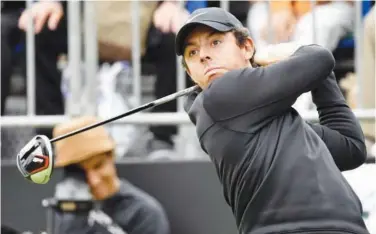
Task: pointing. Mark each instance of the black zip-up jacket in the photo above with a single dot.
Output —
(281, 174)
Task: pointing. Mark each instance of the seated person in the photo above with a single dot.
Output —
(294, 21)
(91, 154)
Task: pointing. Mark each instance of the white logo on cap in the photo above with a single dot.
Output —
(189, 20)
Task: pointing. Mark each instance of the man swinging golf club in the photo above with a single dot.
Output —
(279, 173)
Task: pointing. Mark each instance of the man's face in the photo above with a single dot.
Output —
(101, 176)
(209, 54)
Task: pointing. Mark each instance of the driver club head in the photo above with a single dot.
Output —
(36, 161)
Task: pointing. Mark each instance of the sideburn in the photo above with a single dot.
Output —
(241, 36)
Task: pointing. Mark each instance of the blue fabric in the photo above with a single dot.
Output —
(350, 42)
(191, 6)
(19, 48)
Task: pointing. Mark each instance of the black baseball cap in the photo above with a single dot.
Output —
(213, 17)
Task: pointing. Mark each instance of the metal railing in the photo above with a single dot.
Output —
(30, 54)
(179, 118)
(77, 105)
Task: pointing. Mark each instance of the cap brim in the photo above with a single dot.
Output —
(186, 29)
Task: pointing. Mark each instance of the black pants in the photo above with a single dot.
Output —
(48, 46)
(161, 52)
(9, 38)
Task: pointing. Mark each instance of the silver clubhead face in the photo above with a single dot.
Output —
(36, 161)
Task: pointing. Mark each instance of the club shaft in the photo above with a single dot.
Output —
(131, 112)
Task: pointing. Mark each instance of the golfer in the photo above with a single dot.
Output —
(280, 174)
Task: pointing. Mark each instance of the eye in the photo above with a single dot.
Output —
(98, 165)
(192, 53)
(216, 42)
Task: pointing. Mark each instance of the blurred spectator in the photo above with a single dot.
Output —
(158, 29)
(88, 159)
(159, 21)
(258, 17)
(10, 12)
(114, 28)
(167, 19)
(49, 41)
(294, 20)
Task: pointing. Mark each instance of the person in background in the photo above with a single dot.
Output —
(158, 37)
(294, 21)
(325, 23)
(49, 40)
(167, 19)
(88, 160)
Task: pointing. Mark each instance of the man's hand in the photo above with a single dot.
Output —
(40, 13)
(169, 17)
(274, 53)
(282, 26)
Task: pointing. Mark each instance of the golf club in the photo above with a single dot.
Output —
(35, 160)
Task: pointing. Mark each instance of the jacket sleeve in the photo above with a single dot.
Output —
(338, 126)
(137, 213)
(93, 223)
(271, 90)
(72, 223)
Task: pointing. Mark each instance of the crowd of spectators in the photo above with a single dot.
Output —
(326, 23)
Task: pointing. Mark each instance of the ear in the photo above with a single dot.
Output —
(249, 48)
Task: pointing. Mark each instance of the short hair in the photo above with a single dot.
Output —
(241, 35)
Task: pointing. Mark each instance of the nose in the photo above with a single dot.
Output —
(204, 56)
(93, 178)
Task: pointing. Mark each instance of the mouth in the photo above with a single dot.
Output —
(212, 73)
(211, 70)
